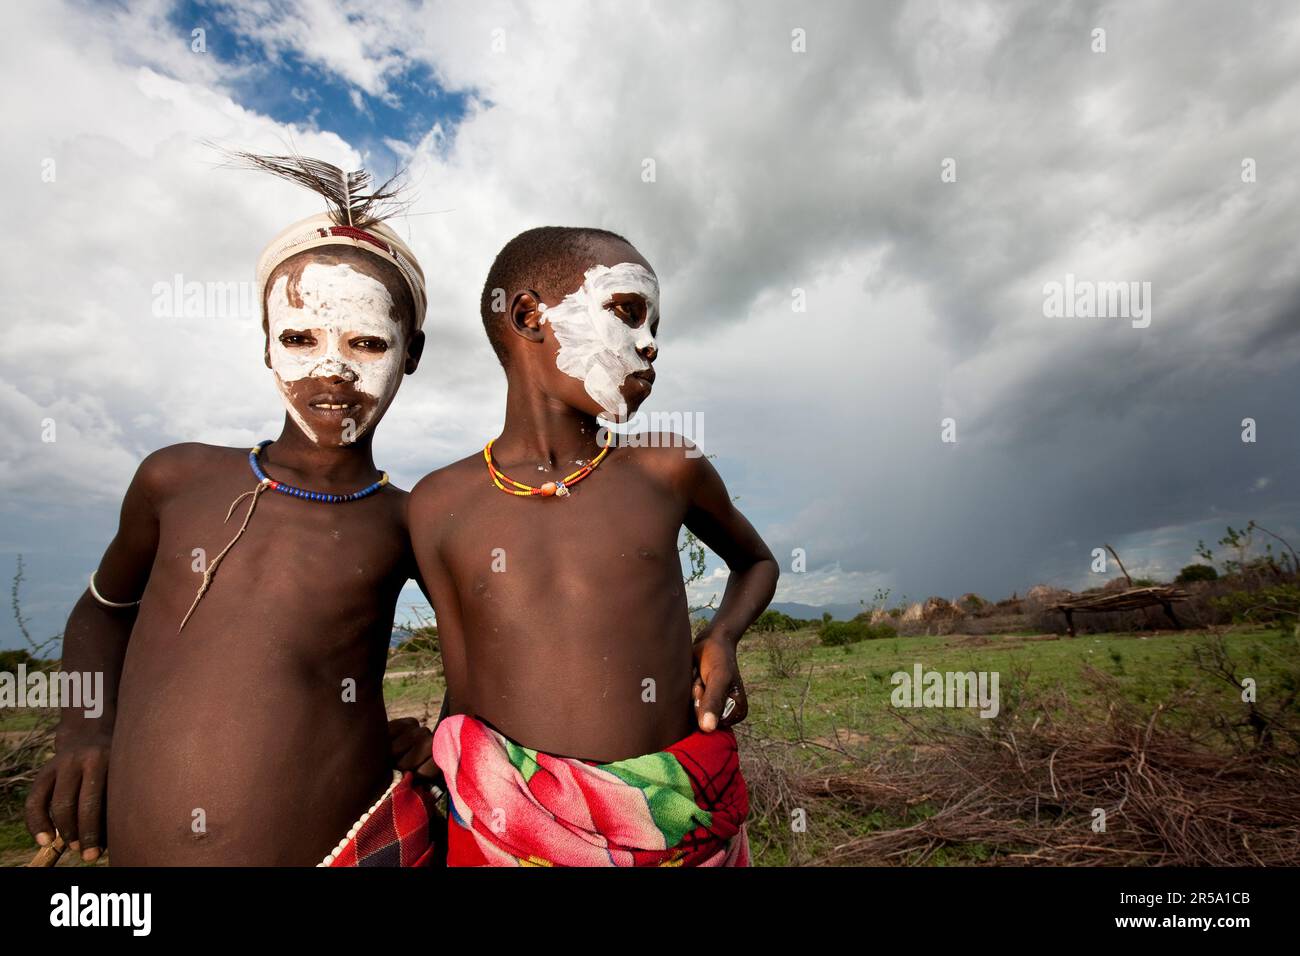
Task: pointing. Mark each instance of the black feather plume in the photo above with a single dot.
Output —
(351, 200)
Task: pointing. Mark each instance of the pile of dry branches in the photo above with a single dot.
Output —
(1047, 783)
(1037, 787)
(21, 757)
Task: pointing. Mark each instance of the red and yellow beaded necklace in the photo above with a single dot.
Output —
(558, 489)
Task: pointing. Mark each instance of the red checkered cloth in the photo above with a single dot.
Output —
(404, 830)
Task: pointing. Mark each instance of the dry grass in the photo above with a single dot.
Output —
(1025, 788)
(21, 756)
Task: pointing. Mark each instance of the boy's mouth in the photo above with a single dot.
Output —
(637, 386)
(334, 405)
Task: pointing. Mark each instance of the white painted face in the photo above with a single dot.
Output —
(596, 345)
(337, 352)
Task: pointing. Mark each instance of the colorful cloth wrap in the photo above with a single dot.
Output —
(511, 806)
(398, 831)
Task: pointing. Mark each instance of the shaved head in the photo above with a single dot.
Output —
(549, 261)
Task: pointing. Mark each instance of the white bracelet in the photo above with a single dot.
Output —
(94, 592)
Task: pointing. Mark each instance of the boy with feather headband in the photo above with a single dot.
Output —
(244, 711)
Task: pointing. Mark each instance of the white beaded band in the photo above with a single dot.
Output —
(94, 592)
(356, 827)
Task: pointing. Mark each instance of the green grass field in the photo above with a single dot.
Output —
(850, 686)
(840, 696)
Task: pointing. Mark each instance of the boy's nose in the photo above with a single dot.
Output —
(648, 352)
(335, 371)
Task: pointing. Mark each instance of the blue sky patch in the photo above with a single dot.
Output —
(282, 85)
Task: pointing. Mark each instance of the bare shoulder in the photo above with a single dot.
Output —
(176, 464)
(442, 488)
(670, 457)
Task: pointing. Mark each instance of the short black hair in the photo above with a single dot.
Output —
(543, 260)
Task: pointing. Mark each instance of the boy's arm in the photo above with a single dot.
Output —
(68, 792)
(714, 519)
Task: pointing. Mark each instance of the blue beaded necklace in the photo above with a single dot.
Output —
(265, 482)
(321, 496)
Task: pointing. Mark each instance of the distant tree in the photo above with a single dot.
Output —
(771, 621)
(1196, 572)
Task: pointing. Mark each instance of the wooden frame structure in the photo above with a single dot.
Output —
(1130, 599)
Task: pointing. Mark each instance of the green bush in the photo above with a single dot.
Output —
(772, 621)
(841, 633)
(1279, 604)
(9, 660)
(1196, 572)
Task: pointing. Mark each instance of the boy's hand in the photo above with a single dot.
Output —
(717, 680)
(70, 789)
(412, 747)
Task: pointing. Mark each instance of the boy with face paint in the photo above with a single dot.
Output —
(244, 675)
(586, 727)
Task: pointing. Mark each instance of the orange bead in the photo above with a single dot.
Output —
(548, 489)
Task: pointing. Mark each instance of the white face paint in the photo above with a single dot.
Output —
(596, 345)
(337, 353)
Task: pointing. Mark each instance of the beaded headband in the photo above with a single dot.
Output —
(321, 230)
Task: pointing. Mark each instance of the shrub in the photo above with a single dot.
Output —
(422, 640)
(840, 633)
(771, 621)
(9, 660)
(783, 653)
(1278, 604)
(1196, 572)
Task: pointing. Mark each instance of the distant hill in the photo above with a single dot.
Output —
(840, 612)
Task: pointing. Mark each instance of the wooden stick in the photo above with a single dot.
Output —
(1120, 563)
(49, 855)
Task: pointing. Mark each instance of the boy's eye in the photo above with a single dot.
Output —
(628, 310)
(296, 339)
(370, 345)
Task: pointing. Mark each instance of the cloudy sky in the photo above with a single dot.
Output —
(854, 213)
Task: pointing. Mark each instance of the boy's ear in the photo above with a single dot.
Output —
(526, 315)
(414, 349)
